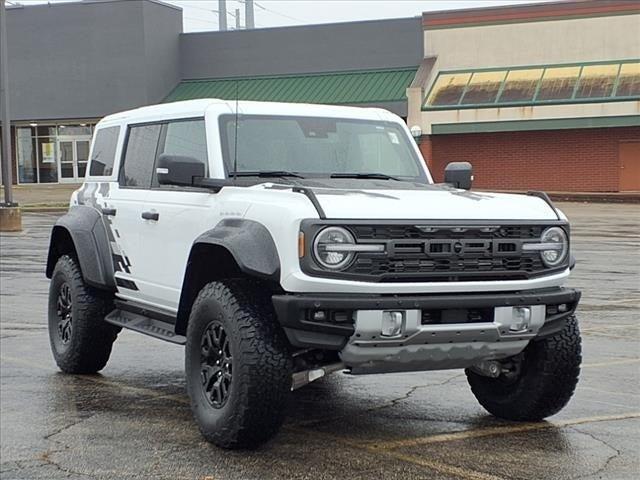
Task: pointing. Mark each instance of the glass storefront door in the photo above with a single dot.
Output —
(73, 154)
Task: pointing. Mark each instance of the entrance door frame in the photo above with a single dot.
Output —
(74, 139)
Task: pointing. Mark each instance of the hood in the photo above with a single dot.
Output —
(436, 203)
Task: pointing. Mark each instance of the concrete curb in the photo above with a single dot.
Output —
(588, 197)
(595, 197)
(45, 209)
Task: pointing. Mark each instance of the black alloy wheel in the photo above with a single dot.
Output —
(216, 364)
(65, 313)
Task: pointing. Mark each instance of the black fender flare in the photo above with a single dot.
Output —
(85, 227)
(250, 245)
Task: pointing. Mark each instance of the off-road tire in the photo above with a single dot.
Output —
(262, 365)
(549, 374)
(87, 347)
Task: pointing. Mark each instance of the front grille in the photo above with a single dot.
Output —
(399, 232)
(445, 253)
(403, 268)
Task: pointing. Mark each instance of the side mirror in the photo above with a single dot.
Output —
(459, 174)
(179, 170)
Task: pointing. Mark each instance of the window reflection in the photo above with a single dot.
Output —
(537, 85)
(597, 81)
(520, 85)
(448, 89)
(558, 83)
(483, 87)
(26, 152)
(629, 80)
(46, 148)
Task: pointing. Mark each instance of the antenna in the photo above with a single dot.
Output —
(235, 148)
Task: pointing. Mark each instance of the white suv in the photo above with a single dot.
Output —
(281, 242)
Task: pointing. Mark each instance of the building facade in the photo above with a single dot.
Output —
(542, 96)
(72, 63)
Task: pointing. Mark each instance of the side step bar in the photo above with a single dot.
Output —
(143, 324)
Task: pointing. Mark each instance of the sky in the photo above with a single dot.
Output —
(201, 15)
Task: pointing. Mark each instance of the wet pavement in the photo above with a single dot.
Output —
(133, 420)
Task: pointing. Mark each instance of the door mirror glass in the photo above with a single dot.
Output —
(179, 170)
(459, 175)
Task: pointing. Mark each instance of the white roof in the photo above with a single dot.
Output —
(199, 107)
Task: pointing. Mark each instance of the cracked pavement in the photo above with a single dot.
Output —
(133, 420)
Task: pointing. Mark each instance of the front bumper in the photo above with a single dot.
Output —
(439, 331)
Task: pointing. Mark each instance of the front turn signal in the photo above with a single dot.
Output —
(300, 244)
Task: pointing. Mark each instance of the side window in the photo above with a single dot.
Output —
(186, 138)
(104, 152)
(140, 155)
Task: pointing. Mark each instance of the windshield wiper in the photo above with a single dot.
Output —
(380, 176)
(265, 174)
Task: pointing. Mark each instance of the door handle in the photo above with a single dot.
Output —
(150, 215)
(109, 211)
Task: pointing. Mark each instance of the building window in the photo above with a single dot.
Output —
(520, 85)
(629, 80)
(558, 83)
(483, 87)
(597, 81)
(51, 153)
(26, 154)
(448, 89)
(602, 81)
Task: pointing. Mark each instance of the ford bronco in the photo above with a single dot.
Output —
(282, 242)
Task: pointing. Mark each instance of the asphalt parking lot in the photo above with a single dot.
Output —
(133, 420)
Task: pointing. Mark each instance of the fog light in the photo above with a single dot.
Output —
(319, 316)
(392, 323)
(521, 319)
(563, 307)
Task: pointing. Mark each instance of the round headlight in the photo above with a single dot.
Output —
(328, 248)
(555, 246)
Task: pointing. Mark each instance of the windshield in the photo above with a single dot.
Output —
(319, 147)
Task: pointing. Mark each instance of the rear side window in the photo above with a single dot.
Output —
(140, 155)
(104, 152)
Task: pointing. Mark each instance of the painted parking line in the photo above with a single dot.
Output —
(610, 393)
(501, 430)
(379, 448)
(624, 361)
(609, 327)
(440, 467)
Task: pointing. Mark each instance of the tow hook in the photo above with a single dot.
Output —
(488, 368)
(300, 379)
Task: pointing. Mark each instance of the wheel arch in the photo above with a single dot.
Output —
(234, 248)
(82, 233)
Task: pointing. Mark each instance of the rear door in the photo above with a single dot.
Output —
(127, 202)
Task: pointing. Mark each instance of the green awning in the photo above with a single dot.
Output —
(358, 87)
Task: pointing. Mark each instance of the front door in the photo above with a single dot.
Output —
(73, 155)
(629, 155)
